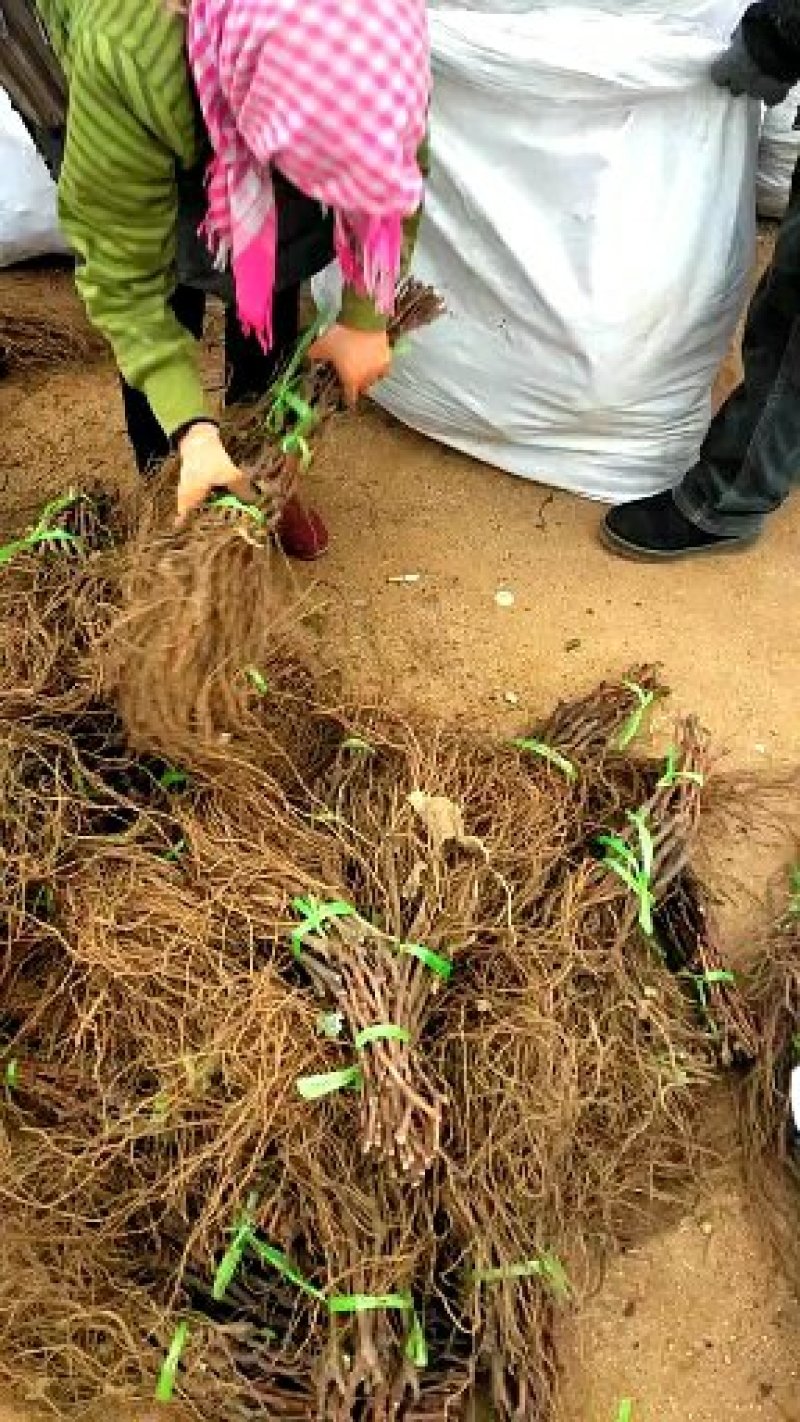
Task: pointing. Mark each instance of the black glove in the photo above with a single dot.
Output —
(737, 71)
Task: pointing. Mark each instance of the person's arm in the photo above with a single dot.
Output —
(357, 345)
(358, 312)
(118, 205)
(763, 58)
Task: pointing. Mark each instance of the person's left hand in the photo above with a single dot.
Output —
(360, 358)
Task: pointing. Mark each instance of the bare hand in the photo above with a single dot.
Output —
(360, 358)
(205, 466)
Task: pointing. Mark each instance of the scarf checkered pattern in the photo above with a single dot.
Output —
(334, 94)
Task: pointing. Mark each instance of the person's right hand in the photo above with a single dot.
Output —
(737, 71)
(205, 466)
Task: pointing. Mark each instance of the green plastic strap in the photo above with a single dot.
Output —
(173, 779)
(256, 679)
(441, 966)
(416, 1345)
(57, 507)
(52, 535)
(381, 1032)
(672, 775)
(285, 387)
(314, 1088)
(11, 1074)
(43, 531)
(416, 1349)
(716, 977)
(369, 1303)
(231, 1261)
(315, 915)
(625, 1410)
(545, 1266)
(633, 725)
(165, 1388)
(286, 401)
(279, 1261)
(634, 871)
(549, 754)
(230, 503)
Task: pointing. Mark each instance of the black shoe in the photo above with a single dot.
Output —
(656, 529)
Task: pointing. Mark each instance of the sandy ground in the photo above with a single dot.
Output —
(697, 1326)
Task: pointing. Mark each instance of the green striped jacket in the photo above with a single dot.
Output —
(132, 123)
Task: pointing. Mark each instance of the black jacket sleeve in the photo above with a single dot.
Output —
(771, 33)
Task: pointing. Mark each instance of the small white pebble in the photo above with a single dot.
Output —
(760, 749)
(511, 698)
(504, 598)
(406, 579)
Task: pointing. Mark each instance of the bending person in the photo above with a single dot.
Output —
(315, 111)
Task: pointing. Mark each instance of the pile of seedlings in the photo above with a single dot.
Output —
(771, 1091)
(339, 1053)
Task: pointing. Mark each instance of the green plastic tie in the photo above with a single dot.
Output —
(416, 1349)
(633, 725)
(636, 872)
(230, 504)
(165, 1389)
(315, 1088)
(716, 977)
(549, 754)
(258, 680)
(231, 1262)
(369, 1303)
(173, 779)
(43, 531)
(11, 1074)
(545, 1266)
(438, 964)
(625, 1410)
(285, 387)
(672, 775)
(283, 1265)
(315, 915)
(286, 402)
(382, 1032)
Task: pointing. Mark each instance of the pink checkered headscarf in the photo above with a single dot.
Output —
(334, 94)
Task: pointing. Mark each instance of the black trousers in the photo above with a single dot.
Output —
(248, 371)
(750, 461)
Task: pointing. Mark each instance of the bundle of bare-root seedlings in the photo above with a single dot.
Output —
(770, 1098)
(326, 1092)
(203, 648)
